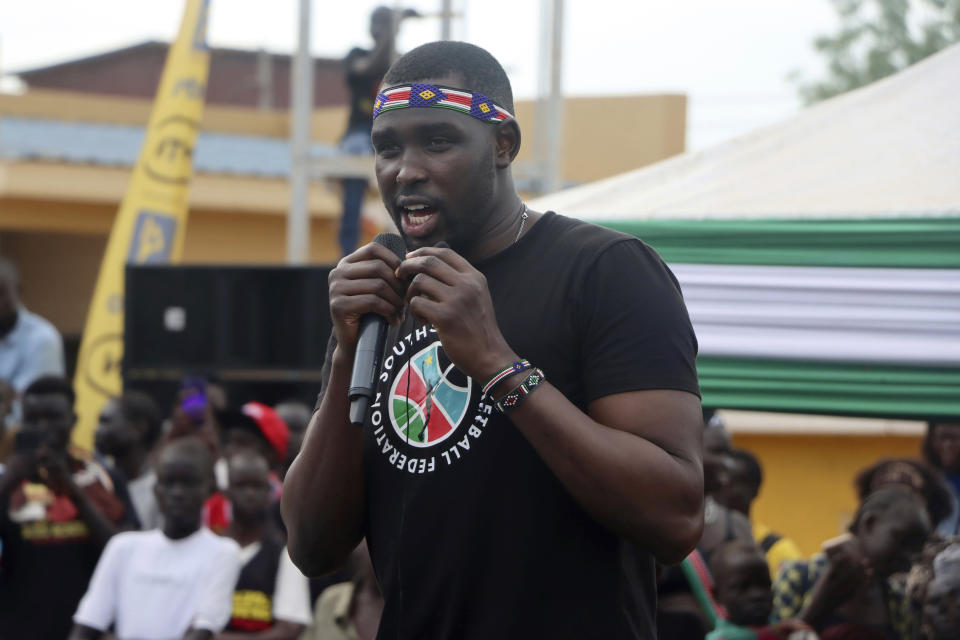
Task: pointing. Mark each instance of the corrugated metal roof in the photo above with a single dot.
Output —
(119, 145)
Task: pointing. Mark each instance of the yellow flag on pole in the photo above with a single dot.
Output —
(152, 218)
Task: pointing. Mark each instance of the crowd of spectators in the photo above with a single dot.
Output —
(894, 575)
(171, 527)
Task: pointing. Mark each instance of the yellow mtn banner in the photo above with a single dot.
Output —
(152, 218)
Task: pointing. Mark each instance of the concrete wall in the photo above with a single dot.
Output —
(604, 136)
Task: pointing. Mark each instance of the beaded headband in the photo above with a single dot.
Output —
(476, 105)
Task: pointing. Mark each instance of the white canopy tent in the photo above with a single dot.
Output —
(889, 149)
(819, 257)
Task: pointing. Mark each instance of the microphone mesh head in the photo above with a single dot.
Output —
(393, 242)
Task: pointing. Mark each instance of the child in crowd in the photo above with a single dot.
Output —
(254, 426)
(846, 591)
(171, 583)
(743, 587)
(271, 598)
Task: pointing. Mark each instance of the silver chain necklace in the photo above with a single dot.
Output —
(523, 221)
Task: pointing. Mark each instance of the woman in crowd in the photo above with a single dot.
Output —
(922, 479)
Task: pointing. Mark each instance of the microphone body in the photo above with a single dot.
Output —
(371, 340)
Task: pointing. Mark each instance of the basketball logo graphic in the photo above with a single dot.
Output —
(429, 398)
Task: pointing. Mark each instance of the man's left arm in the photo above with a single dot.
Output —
(633, 460)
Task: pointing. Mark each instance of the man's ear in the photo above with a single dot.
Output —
(507, 139)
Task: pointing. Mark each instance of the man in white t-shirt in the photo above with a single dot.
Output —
(271, 598)
(174, 583)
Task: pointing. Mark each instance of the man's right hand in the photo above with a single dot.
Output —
(364, 282)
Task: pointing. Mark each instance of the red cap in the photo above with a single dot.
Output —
(272, 426)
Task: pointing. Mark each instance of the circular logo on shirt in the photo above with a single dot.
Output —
(427, 414)
(429, 398)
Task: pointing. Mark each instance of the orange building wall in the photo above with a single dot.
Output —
(807, 491)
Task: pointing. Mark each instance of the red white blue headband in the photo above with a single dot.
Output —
(473, 104)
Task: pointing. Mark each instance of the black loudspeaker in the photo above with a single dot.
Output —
(239, 324)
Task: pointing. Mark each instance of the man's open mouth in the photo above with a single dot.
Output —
(418, 219)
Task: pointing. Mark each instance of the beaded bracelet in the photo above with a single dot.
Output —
(525, 388)
(506, 372)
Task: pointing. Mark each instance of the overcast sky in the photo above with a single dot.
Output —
(730, 57)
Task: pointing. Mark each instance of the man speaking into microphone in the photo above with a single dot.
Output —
(533, 442)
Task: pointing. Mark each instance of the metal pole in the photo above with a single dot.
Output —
(446, 19)
(301, 105)
(540, 113)
(264, 80)
(554, 142)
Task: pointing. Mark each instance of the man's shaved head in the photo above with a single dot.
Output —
(479, 71)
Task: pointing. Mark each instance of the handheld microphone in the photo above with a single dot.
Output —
(370, 343)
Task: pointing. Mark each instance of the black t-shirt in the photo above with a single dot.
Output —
(471, 534)
(48, 554)
(253, 595)
(363, 89)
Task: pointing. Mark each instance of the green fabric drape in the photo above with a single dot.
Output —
(921, 242)
(911, 392)
(825, 387)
